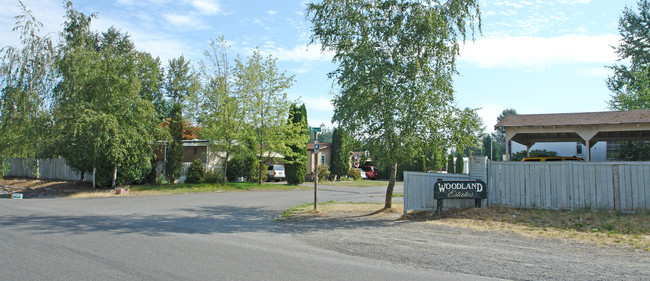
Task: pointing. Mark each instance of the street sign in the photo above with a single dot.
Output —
(317, 147)
(314, 129)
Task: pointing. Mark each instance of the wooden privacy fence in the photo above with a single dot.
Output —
(623, 186)
(53, 168)
(418, 187)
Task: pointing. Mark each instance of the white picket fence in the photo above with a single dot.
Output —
(622, 186)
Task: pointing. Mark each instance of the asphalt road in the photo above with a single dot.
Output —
(208, 236)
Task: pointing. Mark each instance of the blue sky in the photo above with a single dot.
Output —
(536, 56)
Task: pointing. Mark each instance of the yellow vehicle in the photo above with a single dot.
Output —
(551, 158)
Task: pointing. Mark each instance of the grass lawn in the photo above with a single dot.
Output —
(357, 183)
(146, 190)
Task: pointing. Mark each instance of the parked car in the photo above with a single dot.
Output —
(371, 172)
(362, 173)
(551, 158)
(276, 173)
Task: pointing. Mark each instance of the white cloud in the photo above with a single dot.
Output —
(208, 7)
(489, 114)
(272, 12)
(573, 2)
(319, 103)
(180, 20)
(537, 53)
(300, 53)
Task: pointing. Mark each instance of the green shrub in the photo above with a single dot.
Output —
(354, 174)
(213, 177)
(323, 172)
(196, 172)
(161, 180)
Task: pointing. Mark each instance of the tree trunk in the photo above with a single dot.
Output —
(225, 168)
(259, 175)
(391, 186)
(114, 177)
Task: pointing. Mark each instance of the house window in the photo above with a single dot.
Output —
(579, 149)
(322, 159)
(195, 151)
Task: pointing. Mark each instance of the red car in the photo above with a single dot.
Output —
(371, 171)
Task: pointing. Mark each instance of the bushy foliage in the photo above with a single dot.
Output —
(533, 153)
(450, 164)
(323, 172)
(460, 165)
(175, 148)
(196, 172)
(354, 174)
(245, 165)
(340, 163)
(213, 177)
(297, 137)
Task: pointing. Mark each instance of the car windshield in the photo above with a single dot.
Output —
(367, 169)
(279, 168)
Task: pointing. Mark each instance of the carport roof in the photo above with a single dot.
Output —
(577, 119)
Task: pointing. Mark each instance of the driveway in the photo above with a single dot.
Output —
(234, 236)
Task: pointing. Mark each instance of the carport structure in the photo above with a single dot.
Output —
(587, 128)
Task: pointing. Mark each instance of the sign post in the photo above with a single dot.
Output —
(315, 130)
(476, 190)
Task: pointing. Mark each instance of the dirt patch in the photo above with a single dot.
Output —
(464, 242)
(31, 188)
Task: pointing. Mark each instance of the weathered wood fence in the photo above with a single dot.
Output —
(418, 187)
(53, 168)
(621, 186)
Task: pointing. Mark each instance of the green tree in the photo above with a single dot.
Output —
(396, 60)
(174, 150)
(181, 85)
(340, 162)
(458, 169)
(27, 78)
(103, 123)
(450, 164)
(222, 110)
(296, 138)
(263, 88)
(152, 77)
(630, 83)
(496, 141)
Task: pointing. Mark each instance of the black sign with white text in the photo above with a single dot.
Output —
(460, 190)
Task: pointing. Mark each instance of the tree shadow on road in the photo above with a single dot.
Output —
(199, 220)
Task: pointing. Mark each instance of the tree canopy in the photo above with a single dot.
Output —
(103, 122)
(396, 60)
(27, 78)
(630, 84)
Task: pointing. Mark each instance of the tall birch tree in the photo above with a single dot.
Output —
(396, 60)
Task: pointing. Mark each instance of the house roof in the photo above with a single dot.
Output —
(576, 119)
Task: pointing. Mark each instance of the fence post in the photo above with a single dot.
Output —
(617, 188)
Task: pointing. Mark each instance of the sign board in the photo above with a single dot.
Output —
(17, 196)
(314, 129)
(460, 190)
(316, 147)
